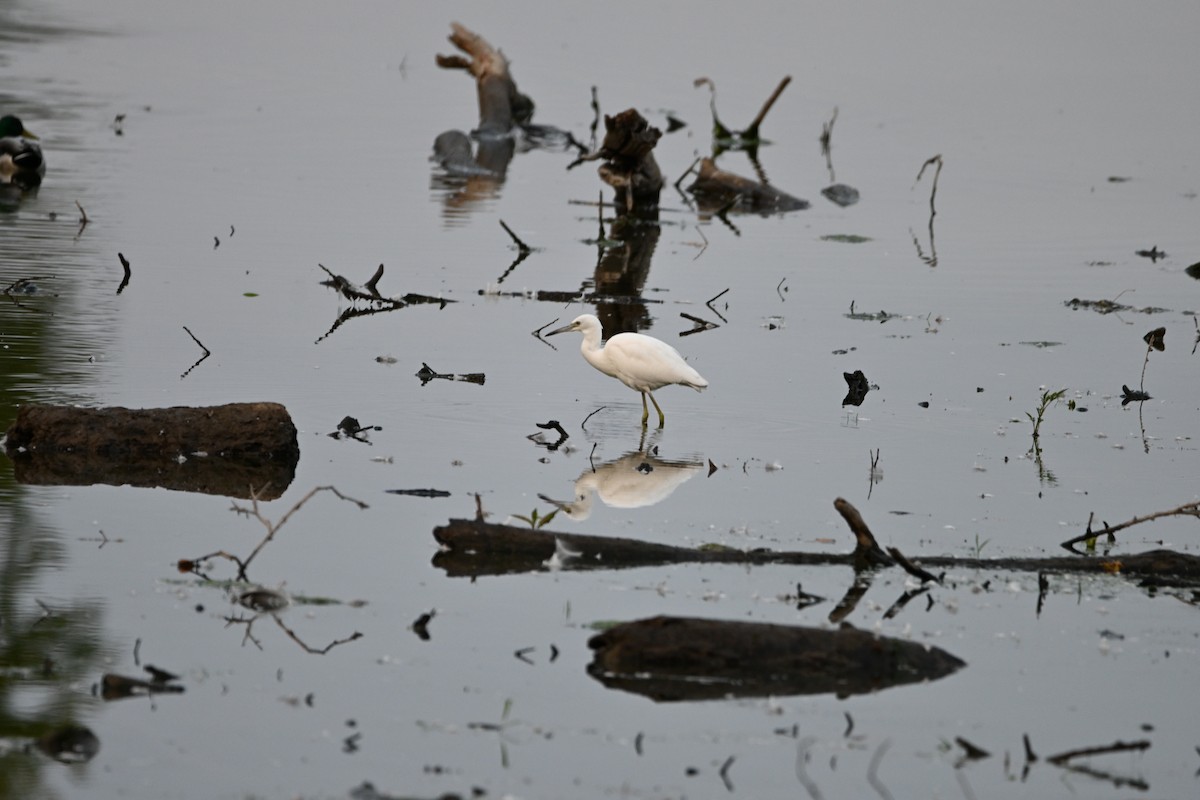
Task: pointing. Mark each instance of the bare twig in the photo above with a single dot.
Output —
(273, 527)
(315, 650)
(128, 274)
(1185, 510)
(715, 298)
(752, 131)
(911, 568)
(932, 194)
(524, 248)
(1115, 747)
(373, 284)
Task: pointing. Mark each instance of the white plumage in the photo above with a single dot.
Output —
(641, 362)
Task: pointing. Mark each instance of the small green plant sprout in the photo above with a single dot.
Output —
(534, 520)
(1049, 398)
(978, 548)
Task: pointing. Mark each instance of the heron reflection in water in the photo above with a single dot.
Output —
(634, 480)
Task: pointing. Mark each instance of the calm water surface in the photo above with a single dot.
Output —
(260, 140)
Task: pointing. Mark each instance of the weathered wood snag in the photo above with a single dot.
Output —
(218, 449)
(501, 104)
(629, 166)
(682, 658)
(715, 188)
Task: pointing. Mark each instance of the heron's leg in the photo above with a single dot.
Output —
(645, 409)
(662, 419)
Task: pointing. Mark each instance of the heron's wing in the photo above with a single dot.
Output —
(646, 363)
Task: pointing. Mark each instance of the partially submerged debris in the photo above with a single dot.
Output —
(679, 658)
(427, 373)
(629, 165)
(857, 387)
(119, 687)
(215, 450)
(471, 548)
(715, 188)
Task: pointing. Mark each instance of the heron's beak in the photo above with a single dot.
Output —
(563, 329)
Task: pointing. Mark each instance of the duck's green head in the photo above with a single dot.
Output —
(11, 126)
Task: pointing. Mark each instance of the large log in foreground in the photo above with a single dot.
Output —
(682, 658)
(228, 449)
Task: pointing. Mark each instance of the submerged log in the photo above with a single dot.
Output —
(715, 188)
(225, 450)
(474, 547)
(681, 658)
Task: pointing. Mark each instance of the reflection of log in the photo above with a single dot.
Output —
(678, 658)
(217, 450)
(716, 188)
(501, 106)
(473, 547)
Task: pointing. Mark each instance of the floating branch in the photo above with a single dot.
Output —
(351, 428)
(537, 334)
(521, 246)
(128, 274)
(419, 492)
(701, 325)
(523, 251)
(27, 286)
(373, 284)
(751, 133)
(273, 527)
(714, 299)
(375, 303)
(83, 219)
(551, 425)
(118, 687)
(427, 373)
(1115, 747)
(476, 547)
(1186, 510)
(207, 352)
(936, 160)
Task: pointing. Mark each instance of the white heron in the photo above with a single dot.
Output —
(641, 362)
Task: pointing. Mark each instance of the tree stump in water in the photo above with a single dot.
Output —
(629, 166)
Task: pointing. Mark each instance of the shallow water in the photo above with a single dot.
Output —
(260, 140)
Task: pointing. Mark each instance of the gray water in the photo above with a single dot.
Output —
(262, 139)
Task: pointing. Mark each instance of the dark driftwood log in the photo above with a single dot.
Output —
(680, 658)
(223, 450)
(474, 547)
(715, 188)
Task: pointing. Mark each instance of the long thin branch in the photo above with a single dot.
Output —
(1185, 510)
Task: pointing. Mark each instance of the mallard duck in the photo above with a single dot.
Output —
(20, 155)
